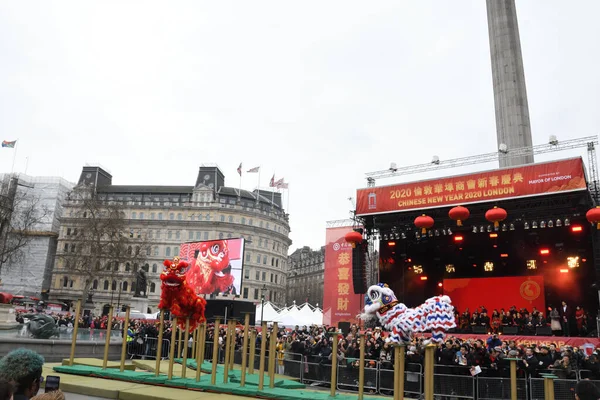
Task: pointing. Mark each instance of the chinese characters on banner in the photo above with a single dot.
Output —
(339, 301)
(529, 180)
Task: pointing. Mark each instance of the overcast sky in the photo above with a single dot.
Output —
(318, 92)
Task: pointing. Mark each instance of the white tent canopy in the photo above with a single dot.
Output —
(291, 316)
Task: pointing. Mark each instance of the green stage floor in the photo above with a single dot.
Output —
(144, 385)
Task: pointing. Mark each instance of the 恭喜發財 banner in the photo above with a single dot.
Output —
(522, 181)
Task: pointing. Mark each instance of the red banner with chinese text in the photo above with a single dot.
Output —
(496, 293)
(340, 304)
(527, 180)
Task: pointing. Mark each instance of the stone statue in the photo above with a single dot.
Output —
(141, 284)
(41, 326)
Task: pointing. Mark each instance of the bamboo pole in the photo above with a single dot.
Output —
(244, 349)
(125, 337)
(107, 343)
(213, 377)
(399, 360)
(263, 350)
(361, 368)
(200, 350)
(273, 355)
(232, 348)
(429, 363)
(161, 326)
(172, 348)
(513, 379)
(227, 353)
(252, 351)
(75, 328)
(334, 364)
(185, 348)
(179, 342)
(194, 335)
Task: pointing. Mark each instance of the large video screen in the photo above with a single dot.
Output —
(215, 265)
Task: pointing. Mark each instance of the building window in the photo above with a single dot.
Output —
(133, 215)
(95, 284)
(154, 268)
(114, 285)
(245, 293)
(198, 235)
(257, 275)
(168, 252)
(141, 215)
(220, 235)
(258, 259)
(158, 234)
(265, 260)
(229, 236)
(243, 220)
(152, 287)
(66, 247)
(125, 286)
(246, 273)
(156, 251)
(190, 235)
(248, 257)
(264, 276)
(277, 263)
(152, 215)
(68, 231)
(171, 216)
(255, 294)
(170, 235)
(179, 216)
(205, 235)
(272, 262)
(268, 225)
(260, 242)
(106, 284)
(230, 218)
(65, 281)
(71, 284)
(160, 216)
(222, 218)
(175, 251)
(276, 276)
(271, 278)
(177, 235)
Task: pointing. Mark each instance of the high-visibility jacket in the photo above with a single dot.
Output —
(129, 335)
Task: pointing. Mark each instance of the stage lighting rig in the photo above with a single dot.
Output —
(573, 262)
(531, 264)
(488, 266)
(418, 269)
(450, 268)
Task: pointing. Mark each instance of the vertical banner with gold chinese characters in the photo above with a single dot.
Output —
(340, 304)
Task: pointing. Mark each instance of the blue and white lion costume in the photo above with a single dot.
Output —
(435, 315)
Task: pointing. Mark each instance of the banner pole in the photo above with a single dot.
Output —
(125, 341)
(161, 327)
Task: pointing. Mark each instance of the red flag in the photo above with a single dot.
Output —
(240, 169)
(272, 183)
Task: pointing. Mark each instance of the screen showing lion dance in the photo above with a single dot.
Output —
(215, 266)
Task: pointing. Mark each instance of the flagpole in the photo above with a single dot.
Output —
(273, 191)
(14, 157)
(258, 186)
(288, 199)
(26, 164)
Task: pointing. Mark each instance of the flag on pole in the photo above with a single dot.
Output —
(253, 170)
(272, 183)
(283, 186)
(239, 170)
(11, 145)
(279, 183)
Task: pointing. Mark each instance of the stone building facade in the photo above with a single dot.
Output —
(32, 276)
(172, 215)
(305, 276)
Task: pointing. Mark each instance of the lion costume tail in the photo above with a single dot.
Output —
(439, 317)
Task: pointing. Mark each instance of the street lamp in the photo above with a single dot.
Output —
(262, 301)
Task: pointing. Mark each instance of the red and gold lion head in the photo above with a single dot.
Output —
(173, 276)
(215, 255)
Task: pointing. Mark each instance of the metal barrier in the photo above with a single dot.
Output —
(348, 375)
(316, 370)
(413, 374)
(498, 388)
(145, 348)
(563, 388)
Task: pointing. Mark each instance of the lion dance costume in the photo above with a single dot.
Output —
(435, 315)
(178, 297)
(211, 272)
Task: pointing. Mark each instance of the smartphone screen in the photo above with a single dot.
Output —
(52, 383)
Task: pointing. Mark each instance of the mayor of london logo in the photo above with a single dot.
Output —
(530, 290)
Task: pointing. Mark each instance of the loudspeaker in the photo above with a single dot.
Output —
(479, 330)
(543, 331)
(344, 327)
(359, 267)
(511, 330)
(231, 309)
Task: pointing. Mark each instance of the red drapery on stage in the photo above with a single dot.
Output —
(496, 293)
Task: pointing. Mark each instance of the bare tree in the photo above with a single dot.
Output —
(101, 240)
(21, 218)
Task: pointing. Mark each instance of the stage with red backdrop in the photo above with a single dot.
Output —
(340, 304)
(496, 293)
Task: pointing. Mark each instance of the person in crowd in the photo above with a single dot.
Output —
(555, 324)
(565, 318)
(23, 368)
(6, 389)
(586, 390)
(579, 315)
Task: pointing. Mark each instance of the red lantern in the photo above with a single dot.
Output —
(496, 215)
(424, 222)
(353, 238)
(594, 216)
(459, 214)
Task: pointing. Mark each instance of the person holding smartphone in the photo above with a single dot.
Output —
(23, 368)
